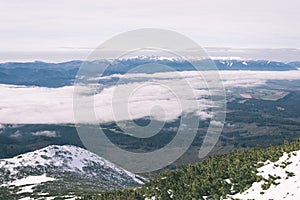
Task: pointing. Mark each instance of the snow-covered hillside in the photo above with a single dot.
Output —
(64, 166)
(286, 173)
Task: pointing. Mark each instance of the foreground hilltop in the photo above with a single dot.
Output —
(69, 172)
(60, 171)
(272, 173)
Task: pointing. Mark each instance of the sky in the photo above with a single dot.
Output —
(79, 26)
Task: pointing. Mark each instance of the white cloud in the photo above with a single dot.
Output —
(45, 133)
(21, 104)
(216, 123)
(16, 134)
(30, 105)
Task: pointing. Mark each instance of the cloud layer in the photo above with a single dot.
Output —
(45, 133)
(160, 95)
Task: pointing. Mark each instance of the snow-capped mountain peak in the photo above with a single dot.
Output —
(151, 58)
(64, 164)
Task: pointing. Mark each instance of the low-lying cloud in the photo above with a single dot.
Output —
(45, 133)
(40, 105)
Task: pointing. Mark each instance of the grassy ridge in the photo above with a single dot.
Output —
(213, 178)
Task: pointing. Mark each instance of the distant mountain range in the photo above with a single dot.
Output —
(63, 74)
(58, 169)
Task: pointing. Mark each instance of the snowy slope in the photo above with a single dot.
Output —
(70, 167)
(65, 158)
(286, 187)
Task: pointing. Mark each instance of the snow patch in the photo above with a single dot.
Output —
(288, 169)
(32, 180)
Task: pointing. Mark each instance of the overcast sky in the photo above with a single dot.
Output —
(56, 25)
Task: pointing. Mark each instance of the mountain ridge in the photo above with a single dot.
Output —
(242, 174)
(55, 75)
(66, 166)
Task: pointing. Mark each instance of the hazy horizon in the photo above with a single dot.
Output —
(280, 54)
